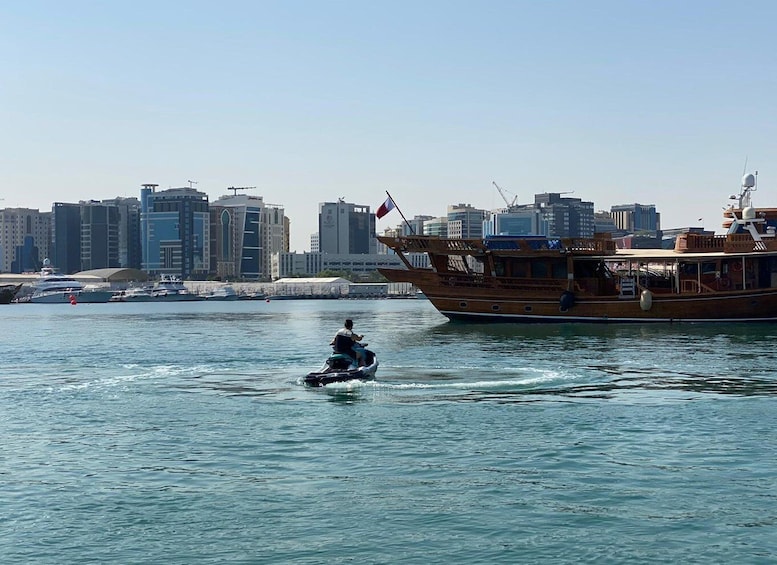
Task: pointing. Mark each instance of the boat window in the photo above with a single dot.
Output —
(539, 270)
(688, 268)
(708, 268)
(519, 269)
(560, 269)
(584, 269)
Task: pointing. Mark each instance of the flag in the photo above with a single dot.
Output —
(385, 208)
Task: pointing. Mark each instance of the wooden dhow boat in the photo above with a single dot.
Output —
(705, 278)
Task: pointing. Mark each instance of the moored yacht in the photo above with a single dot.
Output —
(52, 287)
(170, 288)
(225, 292)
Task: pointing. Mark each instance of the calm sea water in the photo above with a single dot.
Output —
(180, 433)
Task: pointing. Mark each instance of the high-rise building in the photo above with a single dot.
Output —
(518, 221)
(24, 239)
(175, 231)
(65, 251)
(99, 236)
(634, 218)
(414, 226)
(465, 222)
(95, 235)
(565, 217)
(245, 232)
(346, 228)
(437, 227)
(130, 252)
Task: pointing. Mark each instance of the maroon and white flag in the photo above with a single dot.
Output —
(385, 208)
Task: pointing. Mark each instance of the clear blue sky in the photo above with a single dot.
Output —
(657, 102)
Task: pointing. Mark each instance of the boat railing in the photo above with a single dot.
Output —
(730, 243)
(433, 244)
(518, 245)
(700, 243)
(502, 283)
(576, 245)
(692, 286)
(744, 243)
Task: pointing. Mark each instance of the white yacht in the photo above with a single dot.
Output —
(53, 287)
(135, 294)
(170, 288)
(224, 292)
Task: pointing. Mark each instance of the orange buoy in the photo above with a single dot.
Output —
(73, 300)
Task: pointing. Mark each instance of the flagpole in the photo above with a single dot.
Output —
(412, 231)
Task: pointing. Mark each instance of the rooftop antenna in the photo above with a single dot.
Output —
(749, 184)
(191, 183)
(234, 189)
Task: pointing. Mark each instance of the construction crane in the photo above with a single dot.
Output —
(234, 189)
(502, 194)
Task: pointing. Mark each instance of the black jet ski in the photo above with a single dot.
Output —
(340, 367)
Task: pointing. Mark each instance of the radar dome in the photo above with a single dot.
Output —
(748, 213)
(748, 181)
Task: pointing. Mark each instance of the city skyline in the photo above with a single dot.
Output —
(620, 102)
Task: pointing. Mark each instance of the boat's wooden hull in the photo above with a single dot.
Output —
(475, 302)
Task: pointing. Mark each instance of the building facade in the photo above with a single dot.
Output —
(130, 251)
(465, 221)
(437, 227)
(99, 236)
(310, 264)
(517, 222)
(65, 250)
(634, 218)
(175, 231)
(564, 217)
(414, 226)
(24, 239)
(345, 228)
(245, 232)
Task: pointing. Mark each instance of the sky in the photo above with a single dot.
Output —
(657, 102)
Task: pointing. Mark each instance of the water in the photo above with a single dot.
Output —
(180, 433)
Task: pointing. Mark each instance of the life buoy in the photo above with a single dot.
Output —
(736, 266)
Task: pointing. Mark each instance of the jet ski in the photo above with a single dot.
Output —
(340, 367)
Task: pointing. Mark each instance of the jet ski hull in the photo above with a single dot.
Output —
(323, 379)
(333, 372)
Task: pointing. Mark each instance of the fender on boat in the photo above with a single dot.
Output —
(566, 301)
(646, 300)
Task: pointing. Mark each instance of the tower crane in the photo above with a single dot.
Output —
(234, 189)
(502, 194)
